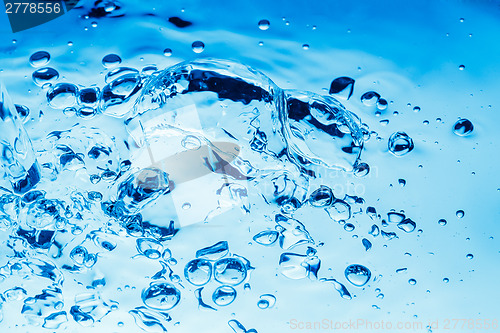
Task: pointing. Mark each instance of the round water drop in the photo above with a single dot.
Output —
(224, 295)
(442, 222)
(407, 225)
(191, 142)
(45, 76)
(416, 109)
(167, 52)
(264, 24)
(400, 144)
(461, 67)
(266, 301)
(412, 282)
(94, 24)
(463, 127)
(150, 247)
(230, 271)
(361, 170)
(86, 112)
(198, 272)
(402, 182)
(370, 98)
(198, 46)
(460, 214)
(305, 46)
(186, 206)
(358, 275)
(394, 217)
(446, 280)
(62, 95)
(382, 104)
(469, 256)
(40, 58)
(349, 227)
(111, 60)
(321, 197)
(161, 296)
(266, 238)
(89, 96)
(23, 112)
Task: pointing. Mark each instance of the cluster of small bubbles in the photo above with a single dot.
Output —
(45, 76)
(224, 295)
(463, 127)
(442, 222)
(305, 46)
(400, 144)
(412, 282)
(266, 301)
(264, 24)
(111, 60)
(167, 52)
(198, 46)
(358, 275)
(460, 213)
(469, 256)
(39, 59)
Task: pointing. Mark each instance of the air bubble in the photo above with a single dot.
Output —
(266, 301)
(230, 271)
(161, 296)
(39, 59)
(198, 46)
(264, 24)
(198, 272)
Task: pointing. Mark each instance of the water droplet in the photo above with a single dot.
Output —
(367, 244)
(416, 109)
(370, 98)
(86, 112)
(394, 217)
(266, 238)
(341, 84)
(375, 230)
(462, 20)
(198, 46)
(361, 170)
(23, 112)
(349, 227)
(266, 301)
(150, 247)
(198, 272)
(469, 256)
(62, 95)
(224, 295)
(446, 280)
(461, 67)
(191, 142)
(460, 214)
(382, 104)
(264, 24)
(322, 197)
(442, 222)
(40, 58)
(94, 24)
(402, 182)
(111, 60)
(358, 275)
(305, 46)
(412, 282)
(400, 144)
(407, 225)
(45, 76)
(344, 293)
(463, 127)
(216, 251)
(89, 96)
(161, 296)
(230, 271)
(167, 52)
(339, 211)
